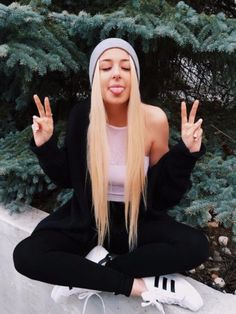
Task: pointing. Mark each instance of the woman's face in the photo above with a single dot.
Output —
(114, 68)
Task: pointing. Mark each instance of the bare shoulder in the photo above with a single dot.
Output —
(154, 115)
(157, 132)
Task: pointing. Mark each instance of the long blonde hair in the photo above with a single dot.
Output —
(97, 159)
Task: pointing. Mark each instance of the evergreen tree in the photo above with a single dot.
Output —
(213, 194)
(34, 46)
(183, 52)
(228, 7)
(21, 177)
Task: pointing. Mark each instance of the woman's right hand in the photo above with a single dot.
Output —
(43, 124)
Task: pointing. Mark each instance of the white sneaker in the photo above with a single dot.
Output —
(171, 289)
(60, 294)
(98, 255)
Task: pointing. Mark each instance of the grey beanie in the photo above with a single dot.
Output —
(107, 44)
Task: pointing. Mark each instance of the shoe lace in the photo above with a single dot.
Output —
(155, 303)
(87, 295)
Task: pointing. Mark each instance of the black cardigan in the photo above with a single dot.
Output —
(167, 180)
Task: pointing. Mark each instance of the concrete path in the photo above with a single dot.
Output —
(21, 295)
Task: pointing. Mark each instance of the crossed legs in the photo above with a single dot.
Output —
(164, 246)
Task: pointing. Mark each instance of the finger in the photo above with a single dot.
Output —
(193, 111)
(47, 107)
(198, 134)
(35, 127)
(36, 119)
(183, 112)
(39, 106)
(197, 125)
(198, 137)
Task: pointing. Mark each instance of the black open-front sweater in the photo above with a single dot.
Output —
(167, 180)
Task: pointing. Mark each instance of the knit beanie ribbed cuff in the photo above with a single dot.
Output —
(108, 44)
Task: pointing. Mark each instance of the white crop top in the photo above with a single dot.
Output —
(117, 142)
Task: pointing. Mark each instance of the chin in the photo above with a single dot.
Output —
(116, 100)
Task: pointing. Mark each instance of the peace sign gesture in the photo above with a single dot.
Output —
(43, 125)
(191, 132)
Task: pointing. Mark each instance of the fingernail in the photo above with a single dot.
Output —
(35, 128)
(34, 117)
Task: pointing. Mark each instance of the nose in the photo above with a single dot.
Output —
(116, 72)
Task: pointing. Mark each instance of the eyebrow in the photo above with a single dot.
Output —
(110, 60)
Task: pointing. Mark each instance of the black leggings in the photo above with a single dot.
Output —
(164, 246)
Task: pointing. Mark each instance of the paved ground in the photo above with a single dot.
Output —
(20, 295)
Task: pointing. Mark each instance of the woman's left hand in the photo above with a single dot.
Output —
(191, 132)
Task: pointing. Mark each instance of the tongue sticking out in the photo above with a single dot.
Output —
(116, 90)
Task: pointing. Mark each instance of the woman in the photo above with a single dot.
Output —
(117, 160)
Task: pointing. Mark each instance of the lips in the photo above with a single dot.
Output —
(116, 89)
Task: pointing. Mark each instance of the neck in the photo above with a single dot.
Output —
(117, 114)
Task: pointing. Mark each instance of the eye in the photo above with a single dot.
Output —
(106, 69)
(126, 68)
